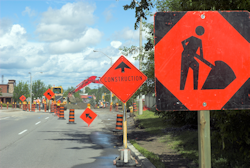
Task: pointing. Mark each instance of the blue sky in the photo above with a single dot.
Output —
(57, 37)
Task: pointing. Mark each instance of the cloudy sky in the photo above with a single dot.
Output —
(57, 37)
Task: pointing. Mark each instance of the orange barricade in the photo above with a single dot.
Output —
(45, 107)
(61, 115)
(57, 110)
(119, 122)
(7, 105)
(134, 107)
(33, 108)
(13, 105)
(71, 116)
(52, 108)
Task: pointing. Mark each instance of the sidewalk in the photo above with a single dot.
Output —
(110, 123)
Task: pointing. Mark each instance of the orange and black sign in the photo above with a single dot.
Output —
(123, 79)
(202, 60)
(88, 116)
(22, 98)
(49, 94)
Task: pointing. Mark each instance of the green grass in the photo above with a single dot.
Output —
(152, 123)
(154, 159)
(184, 142)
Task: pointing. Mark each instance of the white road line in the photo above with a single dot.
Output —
(22, 132)
(46, 118)
(38, 122)
(4, 118)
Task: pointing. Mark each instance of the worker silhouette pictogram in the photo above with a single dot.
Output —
(191, 45)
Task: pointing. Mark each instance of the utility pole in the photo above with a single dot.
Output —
(140, 59)
(30, 89)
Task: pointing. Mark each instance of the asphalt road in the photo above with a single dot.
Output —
(40, 140)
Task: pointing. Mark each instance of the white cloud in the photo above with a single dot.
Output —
(91, 37)
(116, 44)
(17, 52)
(29, 12)
(69, 22)
(129, 34)
(108, 13)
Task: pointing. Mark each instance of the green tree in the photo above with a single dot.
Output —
(21, 89)
(38, 88)
(71, 89)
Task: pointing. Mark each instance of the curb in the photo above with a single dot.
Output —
(143, 161)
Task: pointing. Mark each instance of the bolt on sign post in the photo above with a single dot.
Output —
(123, 79)
(88, 116)
(49, 94)
(202, 63)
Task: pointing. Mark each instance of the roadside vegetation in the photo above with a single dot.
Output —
(183, 137)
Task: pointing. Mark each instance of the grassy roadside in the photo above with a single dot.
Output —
(154, 159)
(184, 142)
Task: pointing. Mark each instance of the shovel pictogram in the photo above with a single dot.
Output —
(220, 76)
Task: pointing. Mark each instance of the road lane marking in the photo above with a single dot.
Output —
(38, 122)
(4, 118)
(22, 132)
(46, 118)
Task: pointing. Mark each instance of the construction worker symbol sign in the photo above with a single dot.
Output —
(22, 98)
(202, 60)
(49, 94)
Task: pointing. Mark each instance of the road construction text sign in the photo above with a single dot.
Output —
(123, 79)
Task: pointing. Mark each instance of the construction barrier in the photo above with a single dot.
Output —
(33, 108)
(45, 107)
(119, 122)
(61, 115)
(134, 107)
(25, 107)
(52, 108)
(88, 105)
(55, 109)
(71, 116)
(7, 105)
(13, 105)
(58, 111)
